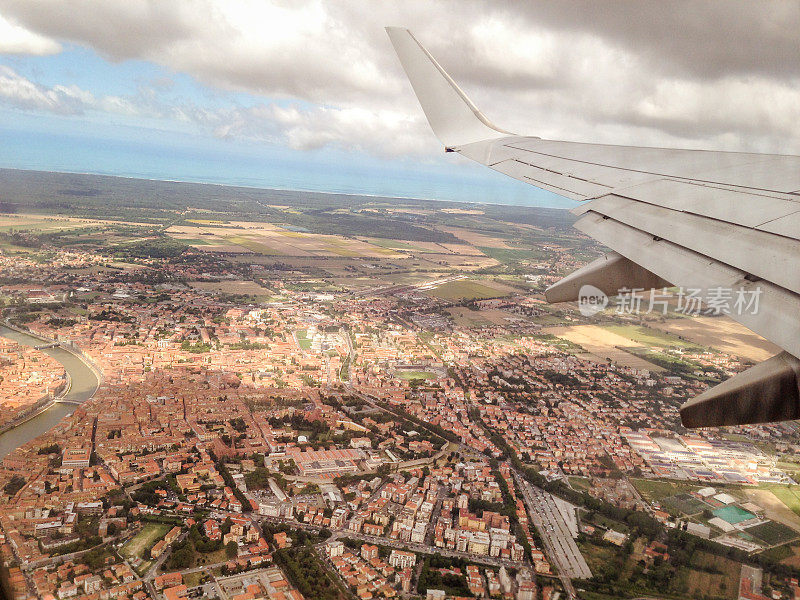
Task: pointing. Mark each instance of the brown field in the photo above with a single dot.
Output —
(476, 239)
(720, 580)
(773, 508)
(794, 559)
(46, 222)
(464, 317)
(462, 211)
(250, 288)
(464, 262)
(721, 333)
(602, 345)
(268, 239)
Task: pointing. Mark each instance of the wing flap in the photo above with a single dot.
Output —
(754, 252)
(776, 317)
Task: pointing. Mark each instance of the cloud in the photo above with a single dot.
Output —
(20, 92)
(15, 39)
(719, 74)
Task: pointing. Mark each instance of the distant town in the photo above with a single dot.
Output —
(286, 396)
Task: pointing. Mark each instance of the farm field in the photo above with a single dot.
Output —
(780, 503)
(249, 288)
(272, 240)
(468, 290)
(508, 255)
(721, 333)
(650, 337)
(715, 577)
(654, 490)
(773, 533)
(601, 345)
(465, 317)
(474, 238)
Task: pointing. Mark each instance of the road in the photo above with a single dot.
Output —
(424, 548)
(555, 534)
(382, 541)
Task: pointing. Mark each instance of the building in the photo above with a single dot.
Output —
(76, 458)
(369, 551)
(335, 549)
(400, 559)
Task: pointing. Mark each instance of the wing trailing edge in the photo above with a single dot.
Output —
(610, 273)
(767, 392)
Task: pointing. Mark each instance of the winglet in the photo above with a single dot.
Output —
(453, 117)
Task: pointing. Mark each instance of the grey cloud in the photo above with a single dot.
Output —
(722, 74)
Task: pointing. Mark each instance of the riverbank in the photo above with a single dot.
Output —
(83, 380)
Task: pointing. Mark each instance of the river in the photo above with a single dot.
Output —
(84, 385)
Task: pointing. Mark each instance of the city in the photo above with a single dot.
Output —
(283, 413)
(420, 300)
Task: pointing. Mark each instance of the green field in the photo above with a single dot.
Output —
(509, 255)
(579, 483)
(304, 342)
(688, 505)
(654, 490)
(788, 494)
(773, 533)
(408, 375)
(144, 540)
(465, 289)
(252, 244)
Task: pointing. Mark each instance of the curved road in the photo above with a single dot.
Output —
(84, 385)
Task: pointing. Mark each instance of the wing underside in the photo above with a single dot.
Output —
(724, 225)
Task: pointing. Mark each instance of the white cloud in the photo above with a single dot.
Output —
(718, 75)
(15, 39)
(20, 92)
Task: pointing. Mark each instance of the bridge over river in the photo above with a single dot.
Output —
(83, 384)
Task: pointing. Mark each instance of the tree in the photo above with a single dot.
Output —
(232, 549)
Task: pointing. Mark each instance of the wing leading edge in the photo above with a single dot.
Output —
(712, 222)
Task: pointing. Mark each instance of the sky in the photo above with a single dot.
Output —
(307, 94)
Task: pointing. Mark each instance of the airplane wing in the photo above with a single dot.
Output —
(725, 225)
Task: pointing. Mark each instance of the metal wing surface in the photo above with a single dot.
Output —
(723, 224)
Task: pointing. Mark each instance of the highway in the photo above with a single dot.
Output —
(555, 534)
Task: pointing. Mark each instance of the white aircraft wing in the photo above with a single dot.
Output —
(725, 225)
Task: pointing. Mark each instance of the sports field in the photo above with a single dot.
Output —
(686, 504)
(144, 540)
(303, 341)
(467, 290)
(408, 375)
(733, 514)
